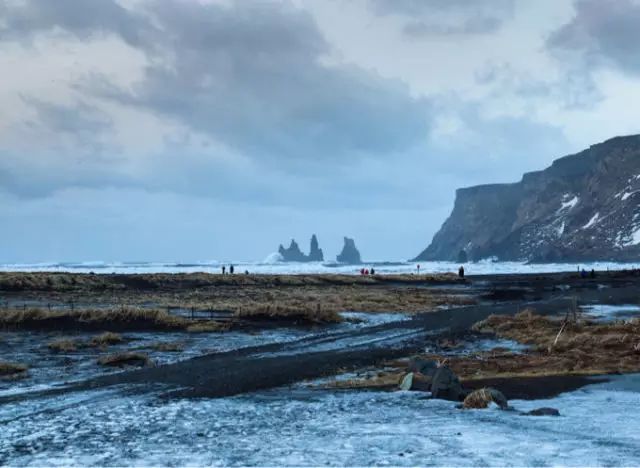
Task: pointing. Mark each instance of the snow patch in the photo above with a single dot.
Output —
(592, 221)
(625, 195)
(568, 204)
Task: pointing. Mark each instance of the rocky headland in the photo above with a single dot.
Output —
(584, 207)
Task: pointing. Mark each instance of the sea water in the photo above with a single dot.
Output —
(272, 266)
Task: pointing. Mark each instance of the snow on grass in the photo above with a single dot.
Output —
(594, 219)
(301, 427)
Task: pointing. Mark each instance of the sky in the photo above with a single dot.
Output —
(193, 130)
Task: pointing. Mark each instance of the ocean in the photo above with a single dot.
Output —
(272, 266)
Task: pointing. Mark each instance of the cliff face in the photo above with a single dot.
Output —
(350, 253)
(583, 207)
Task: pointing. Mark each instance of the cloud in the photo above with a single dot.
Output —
(249, 76)
(82, 19)
(603, 33)
(447, 17)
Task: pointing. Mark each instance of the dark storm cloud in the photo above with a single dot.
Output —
(602, 33)
(447, 17)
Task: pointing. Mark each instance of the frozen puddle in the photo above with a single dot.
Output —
(312, 427)
(367, 319)
(610, 313)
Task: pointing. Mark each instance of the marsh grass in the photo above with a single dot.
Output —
(125, 359)
(123, 319)
(12, 369)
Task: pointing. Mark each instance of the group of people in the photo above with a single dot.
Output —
(366, 272)
(231, 269)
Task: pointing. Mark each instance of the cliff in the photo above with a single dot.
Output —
(294, 254)
(350, 253)
(584, 207)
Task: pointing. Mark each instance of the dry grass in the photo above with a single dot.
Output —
(125, 359)
(125, 319)
(172, 347)
(17, 281)
(380, 293)
(279, 311)
(11, 369)
(64, 345)
(105, 339)
(208, 327)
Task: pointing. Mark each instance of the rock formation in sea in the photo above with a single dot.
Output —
(349, 253)
(315, 252)
(584, 207)
(294, 254)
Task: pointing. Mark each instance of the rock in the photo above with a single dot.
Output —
(423, 366)
(481, 398)
(543, 412)
(315, 252)
(581, 208)
(462, 257)
(294, 254)
(349, 253)
(446, 385)
(407, 382)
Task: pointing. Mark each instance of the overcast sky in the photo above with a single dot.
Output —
(185, 130)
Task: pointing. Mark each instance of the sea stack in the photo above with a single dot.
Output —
(294, 254)
(349, 254)
(315, 252)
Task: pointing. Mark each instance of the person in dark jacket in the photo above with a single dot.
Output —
(461, 272)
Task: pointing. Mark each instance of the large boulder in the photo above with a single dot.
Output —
(542, 412)
(441, 381)
(446, 385)
(481, 398)
(349, 253)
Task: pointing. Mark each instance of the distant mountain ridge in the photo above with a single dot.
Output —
(584, 207)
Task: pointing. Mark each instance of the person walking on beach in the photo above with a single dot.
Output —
(373, 271)
(231, 269)
(418, 269)
(224, 268)
(461, 272)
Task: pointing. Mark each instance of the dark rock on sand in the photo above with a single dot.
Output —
(584, 207)
(294, 254)
(543, 412)
(349, 253)
(446, 385)
(441, 381)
